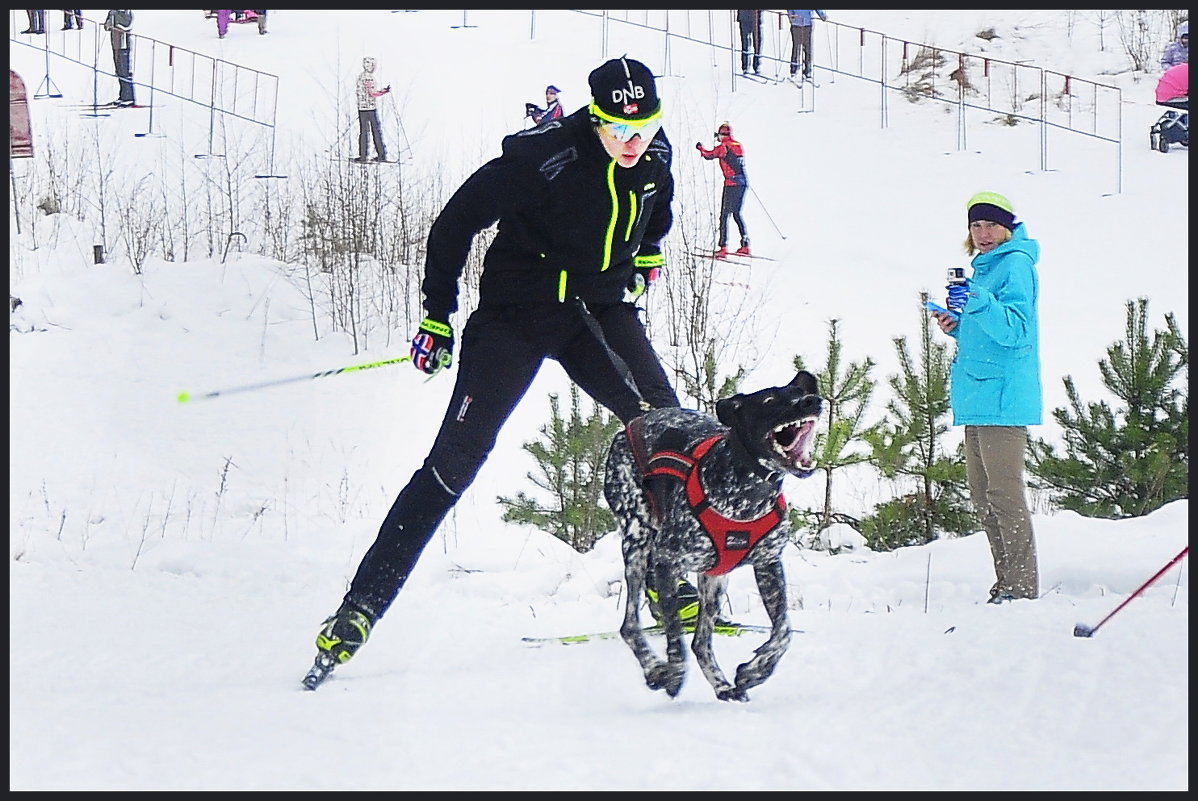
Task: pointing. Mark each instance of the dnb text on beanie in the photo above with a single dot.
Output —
(623, 90)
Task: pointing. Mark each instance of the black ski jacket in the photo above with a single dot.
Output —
(571, 220)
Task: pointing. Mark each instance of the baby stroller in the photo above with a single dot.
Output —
(1173, 92)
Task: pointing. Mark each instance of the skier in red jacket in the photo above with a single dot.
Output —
(731, 154)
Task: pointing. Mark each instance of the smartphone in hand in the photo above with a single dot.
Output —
(934, 307)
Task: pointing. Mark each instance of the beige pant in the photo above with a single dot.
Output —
(994, 458)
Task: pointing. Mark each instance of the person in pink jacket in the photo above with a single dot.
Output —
(1173, 88)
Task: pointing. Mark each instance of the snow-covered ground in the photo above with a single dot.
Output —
(170, 564)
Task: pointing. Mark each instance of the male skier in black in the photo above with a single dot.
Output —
(583, 204)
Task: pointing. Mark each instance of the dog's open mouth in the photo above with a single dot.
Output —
(793, 442)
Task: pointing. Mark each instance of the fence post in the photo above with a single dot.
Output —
(1043, 121)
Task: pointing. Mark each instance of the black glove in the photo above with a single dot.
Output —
(387, 89)
(530, 109)
(432, 347)
(698, 145)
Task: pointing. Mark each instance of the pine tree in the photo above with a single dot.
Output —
(706, 386)
(1133, 460)
(909, 444)
(846, 395)
(571, 461)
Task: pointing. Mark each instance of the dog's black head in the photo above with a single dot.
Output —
(776, 425)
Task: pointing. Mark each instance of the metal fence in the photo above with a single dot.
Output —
(221, 90)
(982, 90)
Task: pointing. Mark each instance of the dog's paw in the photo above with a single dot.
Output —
(732, 694)
(666, 676)
(749, 675)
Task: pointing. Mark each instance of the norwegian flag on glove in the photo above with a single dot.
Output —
(432, 347)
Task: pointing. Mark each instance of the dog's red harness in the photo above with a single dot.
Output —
(733, 539)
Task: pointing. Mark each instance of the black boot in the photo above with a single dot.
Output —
(344, 632)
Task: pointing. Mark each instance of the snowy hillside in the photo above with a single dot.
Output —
(170, 563)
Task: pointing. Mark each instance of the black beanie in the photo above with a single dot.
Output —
(624, 89)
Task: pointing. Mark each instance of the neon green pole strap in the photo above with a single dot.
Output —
(435, 327)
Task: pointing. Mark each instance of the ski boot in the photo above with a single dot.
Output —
(688, 603)
(340, 637)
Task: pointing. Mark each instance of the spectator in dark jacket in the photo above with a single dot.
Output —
(37, 21)
(119, 25)
(552, 110)
(750, 39)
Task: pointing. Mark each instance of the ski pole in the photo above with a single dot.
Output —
(185, 397)
(1082, 630)
(407, 143)
(833, 62)
(767, 213)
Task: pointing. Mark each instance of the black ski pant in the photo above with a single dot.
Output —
(730, 204)
(368, 126)
(750, 42)
(800, 49)
(122, 62)
(606, 353)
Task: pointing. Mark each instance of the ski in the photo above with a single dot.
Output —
(105, 106)
(729, 259)
(321, 669)
(373, 161)
(732, 257)
(113, 104)
(724, 629)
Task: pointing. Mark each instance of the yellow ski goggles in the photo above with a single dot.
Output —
(624, 130)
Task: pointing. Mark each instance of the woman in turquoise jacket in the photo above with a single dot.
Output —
(994, 383)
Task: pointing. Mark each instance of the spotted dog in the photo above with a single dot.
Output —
(703, 494)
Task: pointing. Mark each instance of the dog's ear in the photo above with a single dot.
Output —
(727, 410)
(806, 383)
